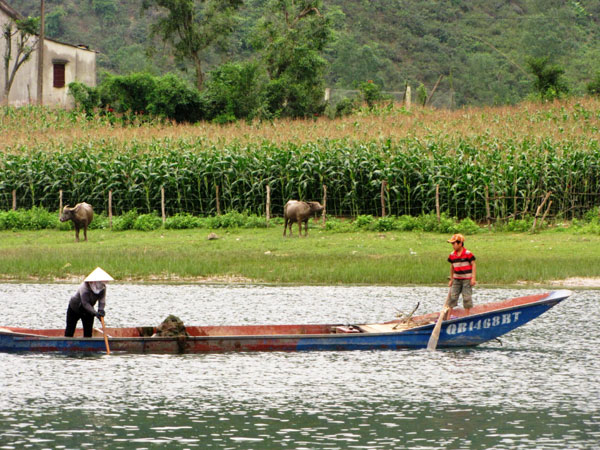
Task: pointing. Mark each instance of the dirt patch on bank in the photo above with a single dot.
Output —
(577, 282)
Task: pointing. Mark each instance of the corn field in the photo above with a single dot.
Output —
(472, 175)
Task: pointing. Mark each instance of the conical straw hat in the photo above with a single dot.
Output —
(98, 275)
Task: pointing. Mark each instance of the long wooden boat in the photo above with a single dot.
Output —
(464, 328)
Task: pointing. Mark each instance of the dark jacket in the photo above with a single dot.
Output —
(84, 300)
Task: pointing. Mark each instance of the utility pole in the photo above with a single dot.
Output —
(40, 75)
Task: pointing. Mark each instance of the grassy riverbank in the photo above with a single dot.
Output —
(263, 256)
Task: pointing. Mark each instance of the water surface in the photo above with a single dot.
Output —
(538, 390)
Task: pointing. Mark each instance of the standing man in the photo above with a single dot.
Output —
(462, 273)
(81, 305)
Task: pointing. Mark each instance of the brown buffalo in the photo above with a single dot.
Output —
(81, 215)
(296, 211)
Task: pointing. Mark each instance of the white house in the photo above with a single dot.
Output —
(63, 63)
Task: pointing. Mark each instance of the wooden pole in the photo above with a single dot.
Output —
(487, 206)
(407, 98)
(218, 201)
(14, 195)
(324, 204)
(435, 334)
(383, 186)
(40, 61)
(105, 336)
(437, 203)
(110, 209)
(162, 205)
(546, 212)
(539, 209)
(60, 202)
(433, 90)
(268, 209)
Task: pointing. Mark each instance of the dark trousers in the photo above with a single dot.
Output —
(73, 317)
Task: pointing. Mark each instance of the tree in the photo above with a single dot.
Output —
(191, 27)
(291, 38)
(548, 83)
(593, 87)
(23, 30)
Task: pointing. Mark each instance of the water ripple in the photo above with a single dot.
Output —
(537, 390)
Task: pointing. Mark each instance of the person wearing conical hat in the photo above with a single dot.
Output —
(81, 305)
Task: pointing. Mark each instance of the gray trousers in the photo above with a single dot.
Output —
(464, 287)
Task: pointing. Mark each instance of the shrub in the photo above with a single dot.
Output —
(467, 226)
(518, 225)
(428, 222)
(182, 221)
(345, 107)
(173, 99)
(371, 93)
(255, 221)
(407, 223)
(592, 215)
(593, 87)
(32, 219)
(86, 98)
(10, 220)
(232, 219)
(100, 222)
(383, 224)
(126, 93)
(363, 221)
(338, 226)
(125, 221)
(147, 222)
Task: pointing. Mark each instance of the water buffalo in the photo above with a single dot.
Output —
(296, 211)
(81, 215)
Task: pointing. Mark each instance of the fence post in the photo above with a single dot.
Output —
(539, 209)
(324, 203)
(110, 209)
(218, 201)
(268, 210)
(14, 194)
(487, 205)
(60, 203)
(383, 185)
(546, 212)
(437, 203)
(162, 205)
(407, 98)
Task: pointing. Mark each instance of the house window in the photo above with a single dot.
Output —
(59, 74)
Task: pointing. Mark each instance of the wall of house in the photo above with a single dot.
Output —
(80, 65)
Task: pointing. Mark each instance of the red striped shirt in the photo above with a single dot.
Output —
(462, 264)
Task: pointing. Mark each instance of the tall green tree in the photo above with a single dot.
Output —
(191, 27)
(548, 78)
(23, 32)
(291, 38)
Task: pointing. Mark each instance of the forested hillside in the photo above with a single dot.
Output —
(476, 49)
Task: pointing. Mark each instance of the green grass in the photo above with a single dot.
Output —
(263, 255)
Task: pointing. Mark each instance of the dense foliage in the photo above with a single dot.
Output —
(509, 178)
(480, 48)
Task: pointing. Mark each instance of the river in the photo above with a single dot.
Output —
(538, 390)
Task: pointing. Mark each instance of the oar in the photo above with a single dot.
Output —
(435, 335)
(105, 335)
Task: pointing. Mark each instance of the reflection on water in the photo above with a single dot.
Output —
(538, 390)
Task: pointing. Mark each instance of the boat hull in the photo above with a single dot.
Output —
(466, 331)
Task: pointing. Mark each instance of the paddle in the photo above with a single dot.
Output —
(105, 336)
(435, 335)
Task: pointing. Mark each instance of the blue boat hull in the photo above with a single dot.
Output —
(467, 331)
